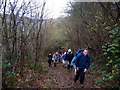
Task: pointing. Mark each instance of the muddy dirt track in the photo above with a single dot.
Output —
(59, 77)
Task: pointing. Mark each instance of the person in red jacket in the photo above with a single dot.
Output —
(63, 51)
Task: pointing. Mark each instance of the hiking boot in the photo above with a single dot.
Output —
(63, 65)
(74, 85)
(75, 81)
(82, 86)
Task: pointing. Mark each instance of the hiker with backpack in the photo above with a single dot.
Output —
(82, 64)
(64, 59)
(73, 62)
(74, 58)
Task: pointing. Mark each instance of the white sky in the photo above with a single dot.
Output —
(56, 7)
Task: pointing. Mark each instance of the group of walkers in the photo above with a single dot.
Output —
(55, 59)
(79, 60)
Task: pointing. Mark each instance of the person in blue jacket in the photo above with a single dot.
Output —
(73, 60)
(78, 51)
(82, 64)
(64, 59)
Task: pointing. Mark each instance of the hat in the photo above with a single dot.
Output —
(69, 50)
(79, 51)
(56, 53)
(64, 52)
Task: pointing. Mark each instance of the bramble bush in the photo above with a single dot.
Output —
(9, 77)
(111, 49)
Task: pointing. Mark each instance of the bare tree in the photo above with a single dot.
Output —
(22, 33)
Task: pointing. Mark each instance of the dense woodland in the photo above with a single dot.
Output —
(27, 36)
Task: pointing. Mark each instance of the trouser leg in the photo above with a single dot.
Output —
(59, 60)
(75, 71)
(63, 61)
(82, 76)
(68, 67)
(49, 64)
(71, 66)
(76, 76)
(54, 64)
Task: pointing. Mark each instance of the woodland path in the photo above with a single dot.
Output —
(59, 77)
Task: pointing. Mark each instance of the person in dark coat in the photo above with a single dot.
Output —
(69, 57)
(50, 59)
(82, 64)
